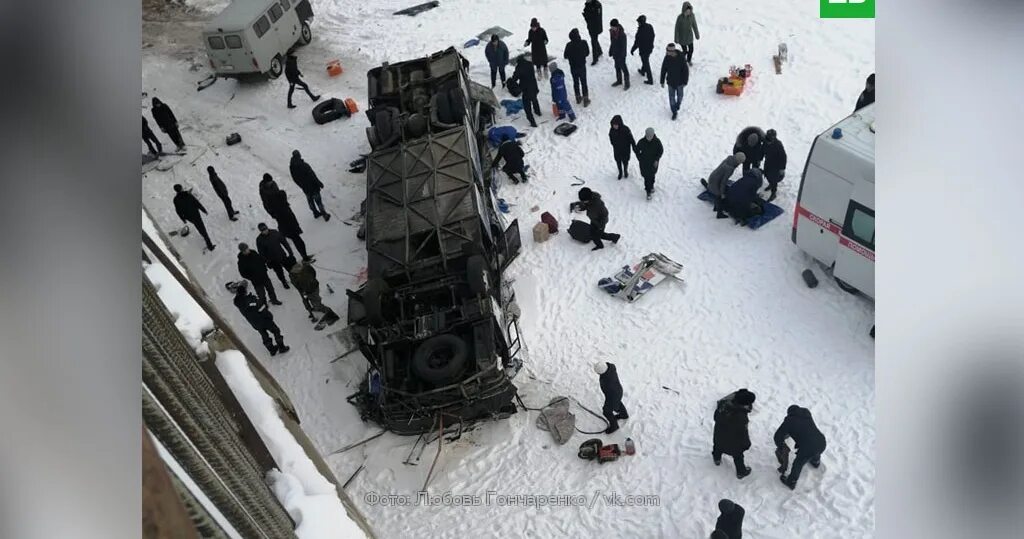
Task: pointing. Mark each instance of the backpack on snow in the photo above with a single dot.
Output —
(589, 449)
(549, 220)
(580, 231)
(513, 88)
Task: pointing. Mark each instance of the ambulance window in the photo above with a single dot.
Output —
(261, 26)
(275, 12)
(216, 42)
(234, 42)
(860, 225)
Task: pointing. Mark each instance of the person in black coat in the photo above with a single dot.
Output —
(648, 153)
(593, 14)
(867, 97)
(252, 266)
(730, 435)
(527, 81)
(512, 153)
(277, 205)
(719, 534)
(597, 212)
(150, 139)
(809, 441)
(730, 519)
(259, 317)
(165, 119)
(267, 187)
(676, 72)
(623, 144)
(497, 57)
(294, 77)
(188, 209)
(774, 162)
(644, 42)
(750, 141)
(305, 178)
(741, 200)
(618, 48)
(537, 39)
(613, 410)
(222, 192)
(275, 251)
(576, 52)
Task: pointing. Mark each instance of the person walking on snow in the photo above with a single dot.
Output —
(718, 181)
(560, 94)
(597, 212)
(164, 118)
(304, 278)
(512, 153)
(294, 77)
(252, 266)
(644, 42)
(271, 245)
(730, 519)
(730, 435)
(150, 139)
(648, 154)
(305, 178)
(594, 16)
(686, 31)
(259, 317)
(674, 71)
(750, 141)
(867, 97)
(576, 52)
(279, 208)
(623, 144)
(809, 441)
(188, 209)
(222, 192)
(537, 39)
(618, 50)
(497, 57)
(774, 162)
(526, 79)
(719, 534)
(613, 410)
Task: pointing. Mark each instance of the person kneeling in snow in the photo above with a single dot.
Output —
(513, 154)
(741, 200)
(559, 93)
(597, 212)
(717, 182)
(809, 441)
(613, 409)
(303, 276)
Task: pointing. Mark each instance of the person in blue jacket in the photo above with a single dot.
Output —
(497, 56)
(741, 200)
(559, 93)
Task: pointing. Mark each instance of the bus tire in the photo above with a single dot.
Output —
(440, 359)
(276, 67)
(305, 34)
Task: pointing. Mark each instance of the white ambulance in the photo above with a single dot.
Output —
(834, 221)
(254, 36)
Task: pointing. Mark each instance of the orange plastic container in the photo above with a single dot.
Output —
(350, 104)
(334, 68)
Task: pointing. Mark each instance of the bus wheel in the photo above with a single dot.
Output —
(275, 67)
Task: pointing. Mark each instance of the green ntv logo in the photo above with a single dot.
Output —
(847, 9)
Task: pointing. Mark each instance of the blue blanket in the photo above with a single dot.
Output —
(771, 211)
(512, 106)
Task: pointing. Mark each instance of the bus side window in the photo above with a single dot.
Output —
(859, 224)
(285, 5)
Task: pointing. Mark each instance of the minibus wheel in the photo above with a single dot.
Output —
(846, 287)
(275, 67)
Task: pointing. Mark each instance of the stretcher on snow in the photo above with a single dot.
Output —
(635, 280)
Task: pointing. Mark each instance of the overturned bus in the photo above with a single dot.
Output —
(435, 319)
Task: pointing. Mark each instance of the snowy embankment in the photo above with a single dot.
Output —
(309, 498)
(743, 317)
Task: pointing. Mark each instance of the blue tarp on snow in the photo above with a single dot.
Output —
(512, 106)
(771, 211)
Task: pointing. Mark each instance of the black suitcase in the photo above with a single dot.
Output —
(565, 129)
(580, 231)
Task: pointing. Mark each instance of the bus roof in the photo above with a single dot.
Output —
(239, 15)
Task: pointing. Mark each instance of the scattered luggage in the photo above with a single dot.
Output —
(541, 233)
(233, 138)
(579, 231)
(334, 68)
(565, 129)
(608, 453)
(736, 81)
(635, 280)
(550, 220)
(589, 449)
(332, 109)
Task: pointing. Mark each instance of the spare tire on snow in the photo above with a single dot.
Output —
(440, 360)
(330, 110)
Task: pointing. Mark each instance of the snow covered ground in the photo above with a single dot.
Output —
(743, 318)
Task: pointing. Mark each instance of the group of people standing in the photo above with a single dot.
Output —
(741, 200)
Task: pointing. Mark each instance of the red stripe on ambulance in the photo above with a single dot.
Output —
(835, 229)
